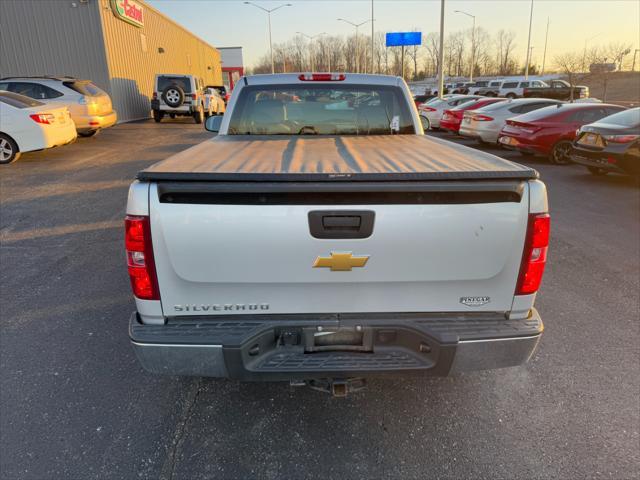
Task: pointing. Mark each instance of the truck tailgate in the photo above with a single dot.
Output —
(236, 248)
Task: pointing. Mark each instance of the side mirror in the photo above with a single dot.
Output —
(213, 123)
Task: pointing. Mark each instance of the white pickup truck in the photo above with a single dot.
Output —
(322, 236)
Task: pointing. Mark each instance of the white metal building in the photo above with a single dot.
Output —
(118, 44)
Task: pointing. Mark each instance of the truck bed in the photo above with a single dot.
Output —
(232, 158)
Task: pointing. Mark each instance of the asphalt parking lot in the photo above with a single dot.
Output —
(75, 404)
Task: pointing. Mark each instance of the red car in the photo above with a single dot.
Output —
(551, 130)
(452, 119)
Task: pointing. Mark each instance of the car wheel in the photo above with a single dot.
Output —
(598, 172)
(89, 133)
(560, 153)
(426, 124)
(511, 95)
(8, 149)
(198, 115)
(157, 115)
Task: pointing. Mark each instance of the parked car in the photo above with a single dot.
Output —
(550, 131)
(178, 95)
(476, 86)
(27, 124)
(222, 90)
(556, 89)
(421, 99)
(491, 90)
(90, 106)
(515, 89)
(463, 87)
(484, 124)
(433, 110)
(280, 273)
(214, 103)
(452, 118)
(611, 144)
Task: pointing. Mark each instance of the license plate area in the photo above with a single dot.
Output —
(590, 139)
(338, 339)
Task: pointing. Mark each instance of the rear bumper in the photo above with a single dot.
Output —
(607, 160)
(484, 134)
(95, 122)
(522, 144)
(184, 109)
(286, 347)
(449, 126)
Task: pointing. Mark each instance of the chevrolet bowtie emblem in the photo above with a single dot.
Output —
(340, 261)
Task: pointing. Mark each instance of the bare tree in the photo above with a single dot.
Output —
(616, 51)
(570, 64)
(432, 45)
(505, 43)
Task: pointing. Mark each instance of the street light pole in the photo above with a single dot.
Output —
(526, 68)
(544, 55)
(441, 53)
(273, 68)
(473, 41)
(372, 47)
(311, 38)
(357, 25)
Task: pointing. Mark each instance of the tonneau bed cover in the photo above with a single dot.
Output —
(231, 158)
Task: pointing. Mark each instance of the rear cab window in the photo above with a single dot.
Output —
(321, 110)
(510, 85)
(18, 101)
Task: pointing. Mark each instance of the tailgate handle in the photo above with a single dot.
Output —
(341, 223)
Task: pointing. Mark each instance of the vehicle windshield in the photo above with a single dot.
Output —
(166, 81)
(84, 87)
(627, 118)
(321, 110)
(18, 101)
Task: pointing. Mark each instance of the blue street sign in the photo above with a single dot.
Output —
(398, 39)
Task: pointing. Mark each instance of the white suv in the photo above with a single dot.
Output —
(90, 107)
(178, 95)
(515, 89)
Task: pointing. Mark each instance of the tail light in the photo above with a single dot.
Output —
(621, 138)
(194, 96)
(140, 262)
(525, 127)
(427, 109)
(322, 77)
(534, 256)
(44, 118)
(155, 95)
(482, 118)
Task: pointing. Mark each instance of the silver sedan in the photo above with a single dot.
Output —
(485, 123)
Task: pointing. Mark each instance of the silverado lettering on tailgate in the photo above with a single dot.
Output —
(217, 307)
